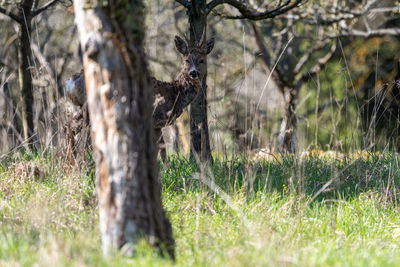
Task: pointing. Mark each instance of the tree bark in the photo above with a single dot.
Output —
(199, 136)
(287, 133)
(24, 73)
(120, 102)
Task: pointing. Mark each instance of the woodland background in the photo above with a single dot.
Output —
(348, 105)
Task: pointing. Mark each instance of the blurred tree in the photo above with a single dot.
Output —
(22, 13)
(120, 98)
(378, 89)
(305, 40)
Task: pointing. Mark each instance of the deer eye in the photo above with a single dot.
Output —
(187, 61)
(201, 61)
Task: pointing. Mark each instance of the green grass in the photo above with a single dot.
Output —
(237, 213)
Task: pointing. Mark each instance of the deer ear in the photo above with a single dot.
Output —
(181, 45)
(208, 47)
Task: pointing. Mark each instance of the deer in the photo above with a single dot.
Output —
(170, 98)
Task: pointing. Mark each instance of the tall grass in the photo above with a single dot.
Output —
(235, 213)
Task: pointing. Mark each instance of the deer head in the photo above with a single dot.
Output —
(194, 57)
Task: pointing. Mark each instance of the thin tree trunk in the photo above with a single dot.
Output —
(200, 140)
(24, 73)
(50, 73)
(120, 102)
(183, 136)
(174, 133)
(3, 114)
(287, 134)
(161, 144)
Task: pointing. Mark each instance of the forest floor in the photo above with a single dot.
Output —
(290, 211)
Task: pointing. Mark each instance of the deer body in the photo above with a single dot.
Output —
(170, 98)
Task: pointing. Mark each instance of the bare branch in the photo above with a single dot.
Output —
(304, 59)
(213, 4)
(183, 2)
(385, 9)
(51, 73)
(329, 17)
(44, 7)
(249, 13)
(366, 34)
(366, 9)
(316, 68)
(343, 21)
(328, 21)
(11, 15)
(319, 19)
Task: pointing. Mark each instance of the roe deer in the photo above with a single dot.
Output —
(170, 98)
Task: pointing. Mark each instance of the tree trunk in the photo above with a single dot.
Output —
(161, 144)
(120, 102)
(287, 134)
(183, 136)
(199, 137)
(24, 73)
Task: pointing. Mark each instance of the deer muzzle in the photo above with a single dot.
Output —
(194, 74)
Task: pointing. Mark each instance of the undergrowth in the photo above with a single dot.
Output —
(290, 211)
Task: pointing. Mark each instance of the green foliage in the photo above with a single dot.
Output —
(252, 213)
(350, 176)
